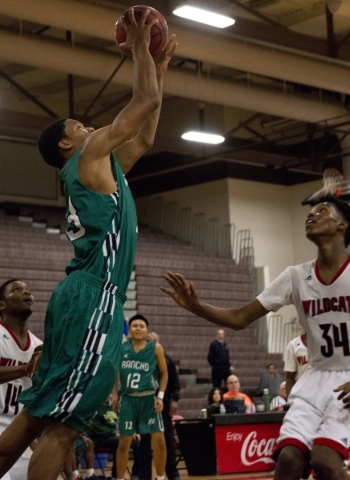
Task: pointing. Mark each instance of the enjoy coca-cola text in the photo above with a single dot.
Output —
(254, 451)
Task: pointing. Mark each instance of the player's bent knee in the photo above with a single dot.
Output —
(327, 461)
(124, 444)
(158, 440)
(60, 433)
(290, 456)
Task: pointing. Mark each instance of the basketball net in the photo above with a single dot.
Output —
(332, 181)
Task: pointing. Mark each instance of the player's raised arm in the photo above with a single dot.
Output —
(184, 294)
(145, 101)
(129, 152)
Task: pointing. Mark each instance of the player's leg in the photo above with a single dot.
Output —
(290, 464)
(159, 453)
(89, 457)
(331, 444)
(328, 464)
(123, 455)
(127, 422)
(54, 444)
(15, 439)
(152, 422)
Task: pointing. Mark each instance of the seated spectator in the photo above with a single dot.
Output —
(215, 402)
(270, 380)
(233, 387)
(102, 430)
(277, 403)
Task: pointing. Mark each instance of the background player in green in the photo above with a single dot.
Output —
(140, 410)
(84, 320)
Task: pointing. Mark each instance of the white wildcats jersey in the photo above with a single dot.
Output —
(12, 355)
(324, 311)
(296, 357)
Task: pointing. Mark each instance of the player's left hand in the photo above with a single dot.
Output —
(345, 390)
(162, 60)
(158, 405)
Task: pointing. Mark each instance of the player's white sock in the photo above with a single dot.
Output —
(160, 478)
(89, 472)
(75, 474)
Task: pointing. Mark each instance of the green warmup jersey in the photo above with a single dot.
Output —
(84, 318)
(138, 371)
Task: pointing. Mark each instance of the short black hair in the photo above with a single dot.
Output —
(342, 207)
(4, 285)
(138, 316)
(48, 142)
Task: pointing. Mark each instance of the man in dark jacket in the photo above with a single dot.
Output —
(171, 397)
(219, 359)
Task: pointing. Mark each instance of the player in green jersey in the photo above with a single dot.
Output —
(143, 378)
(84, 320)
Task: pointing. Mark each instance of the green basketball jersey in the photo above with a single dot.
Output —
(138, 371)
(102, 228)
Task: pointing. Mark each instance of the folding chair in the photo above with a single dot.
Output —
(178, 453)
(108, 451)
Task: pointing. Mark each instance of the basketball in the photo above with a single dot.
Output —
(158, 31)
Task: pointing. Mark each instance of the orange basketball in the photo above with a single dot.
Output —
(158, 31)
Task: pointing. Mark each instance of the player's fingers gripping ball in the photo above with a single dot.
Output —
(158, 31)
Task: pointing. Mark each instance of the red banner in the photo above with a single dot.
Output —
(246, 448)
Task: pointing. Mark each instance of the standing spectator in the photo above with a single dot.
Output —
(296, 361)
(271, 380)
(171, 397)
(278, 402)
(219, 359)
(19, 354)
(233, 387)
(141, 402)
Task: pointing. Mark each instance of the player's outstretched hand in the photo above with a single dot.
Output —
(184, 293)
(137, 33)
(162, 60)
(345, 390)
(158, 405)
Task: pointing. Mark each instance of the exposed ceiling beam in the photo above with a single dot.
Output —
(213, 47)
(99, 65)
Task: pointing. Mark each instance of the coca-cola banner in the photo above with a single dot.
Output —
(246, 448)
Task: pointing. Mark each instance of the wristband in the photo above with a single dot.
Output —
(160, 395)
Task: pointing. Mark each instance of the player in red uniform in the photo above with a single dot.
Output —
(317, 426)
(19, 355)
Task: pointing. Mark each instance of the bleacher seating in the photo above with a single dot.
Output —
(185, 337)
(39, 258)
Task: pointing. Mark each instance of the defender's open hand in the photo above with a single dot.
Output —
(184, 293)
(345, 390)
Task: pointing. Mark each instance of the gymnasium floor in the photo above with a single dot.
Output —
(237, 476)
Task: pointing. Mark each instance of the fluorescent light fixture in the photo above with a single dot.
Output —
(203, 16)
(203, 137)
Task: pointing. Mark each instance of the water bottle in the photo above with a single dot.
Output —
(266, 399)
(222, 408)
